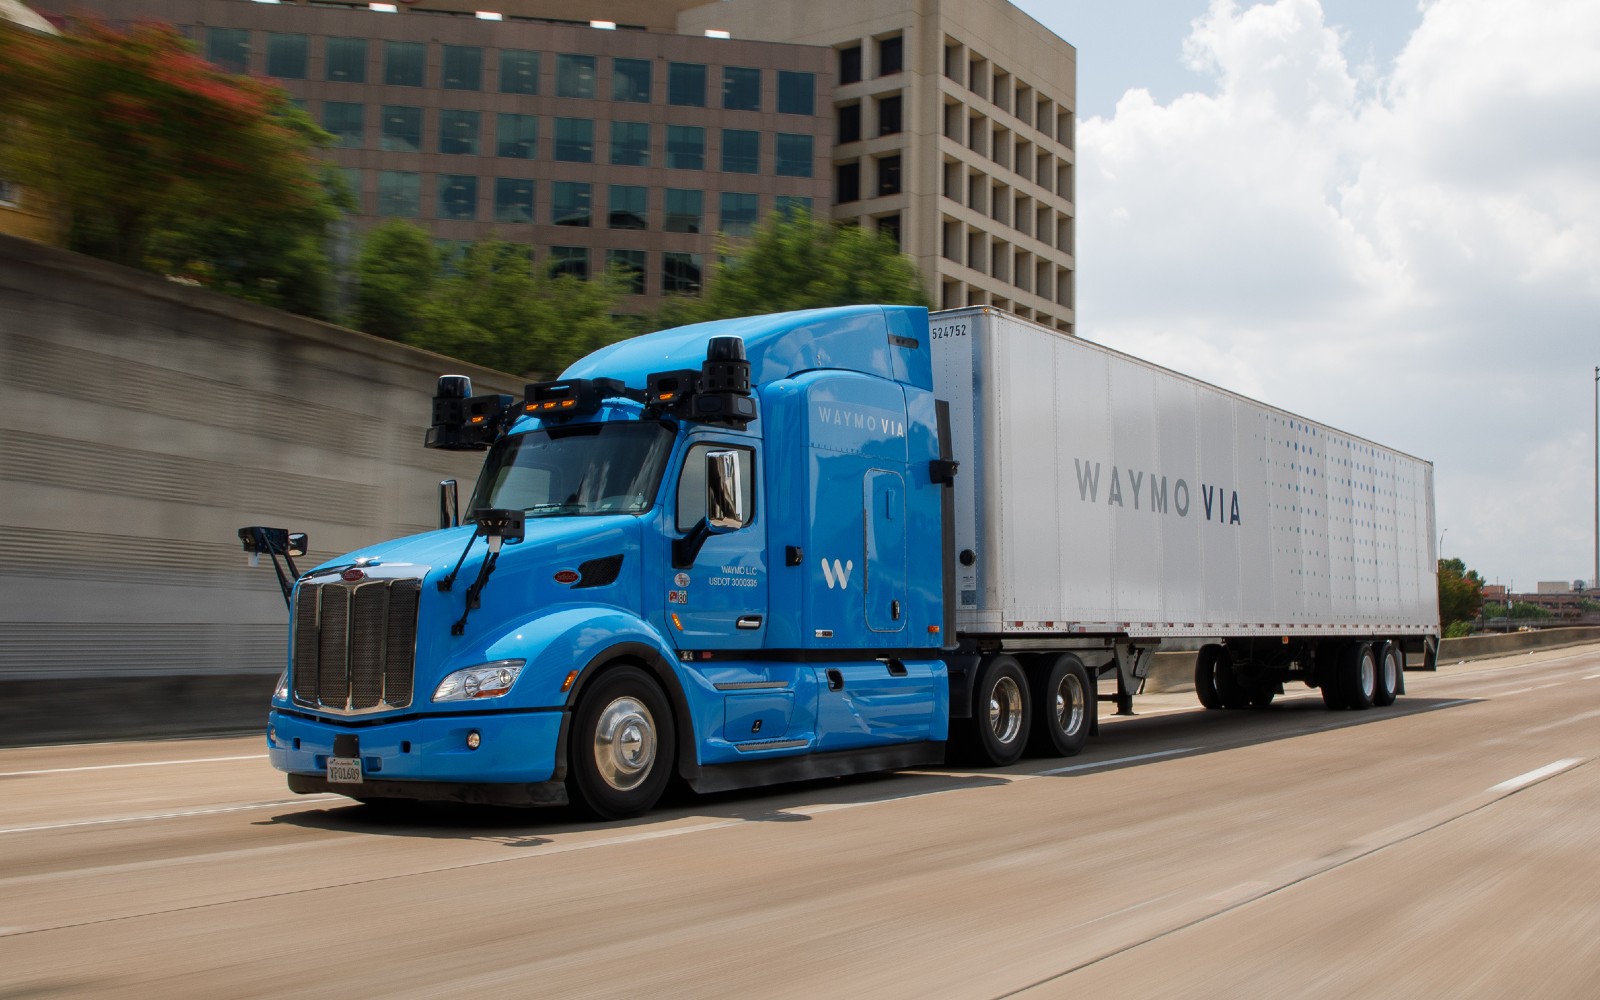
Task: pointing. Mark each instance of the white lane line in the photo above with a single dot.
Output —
(1591, 677)
(1450, 704)
(1507, 694)
(1117, 760)
(1537, 774)
(148, 763)
(1560, 722)
(181, 814)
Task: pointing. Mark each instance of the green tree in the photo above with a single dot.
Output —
(395, 273)
(1460, 592)
(797, 261)
(1527, 609)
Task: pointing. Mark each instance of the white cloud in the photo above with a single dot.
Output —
(1412, 256)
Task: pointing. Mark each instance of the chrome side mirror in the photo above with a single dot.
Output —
(724, 492)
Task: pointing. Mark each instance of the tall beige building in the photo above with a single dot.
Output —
(954, 129)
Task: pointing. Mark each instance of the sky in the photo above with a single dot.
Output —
(1379, 214)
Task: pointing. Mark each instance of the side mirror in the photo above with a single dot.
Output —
(724, 492)
(299, 545)
(449, 504)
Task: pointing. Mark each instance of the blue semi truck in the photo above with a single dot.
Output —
(735, 554)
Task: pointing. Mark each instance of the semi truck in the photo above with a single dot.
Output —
(819, 543)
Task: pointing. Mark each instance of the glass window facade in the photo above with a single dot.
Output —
(628, 207)
(574, 76)
(405, 64)
(739, 213)
(513, 199)
(458, 196)
(519, 71)
(458, 132)
(791, 204)
(630, 80)
(287, 55)
(680, 273)
(402, 130)
(741, 88)
(686, 85)
(229, 49)
(686, 147)
(461, 68)
(399, 193)
(630, 264)
(346, 123)
(630, 144)
(347, 60)
(575, 140)
(570, 261)
(516, 136)
(741, 151)
(797, 93)
(792, 155)
(684, 211)
(569, 203)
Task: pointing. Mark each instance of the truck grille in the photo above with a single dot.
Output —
(355, 645)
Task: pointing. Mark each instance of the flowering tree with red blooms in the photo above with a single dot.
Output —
(157, 159)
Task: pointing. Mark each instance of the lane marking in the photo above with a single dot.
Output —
(1118, 760)
(1507, 694)
(148, 763)
(1592, 677)
(180, 814)
(1560, 722)
(1537, 774)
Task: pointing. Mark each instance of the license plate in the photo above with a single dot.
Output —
(344, 770)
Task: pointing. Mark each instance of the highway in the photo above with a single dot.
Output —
(1447, 846)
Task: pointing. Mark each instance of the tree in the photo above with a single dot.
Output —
(395, 272)
(797, 261)
(1460, 592)
(157, 159)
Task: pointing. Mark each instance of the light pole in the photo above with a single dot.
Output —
(1594, 581)
(1441, 541)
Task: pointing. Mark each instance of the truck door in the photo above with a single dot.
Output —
(883, 494)
(720, 602)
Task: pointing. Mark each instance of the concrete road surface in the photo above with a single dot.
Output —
(1446, 847)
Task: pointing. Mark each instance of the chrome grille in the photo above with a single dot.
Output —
(355, 645)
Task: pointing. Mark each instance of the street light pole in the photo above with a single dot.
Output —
(1441, 541)
(1594, 581)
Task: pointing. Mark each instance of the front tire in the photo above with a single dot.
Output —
(623, 743)
(1063, 709)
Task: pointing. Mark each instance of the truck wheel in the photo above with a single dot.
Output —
(1230, 690)
(1390, 662)
(1205, 675)
(997, 733)
(1262, 694)
(1063, 708)
(622, 744)
(1358, 676)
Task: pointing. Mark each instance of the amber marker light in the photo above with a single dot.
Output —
(678, 624)
(566, 685)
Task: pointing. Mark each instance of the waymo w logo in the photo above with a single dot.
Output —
(837, 575)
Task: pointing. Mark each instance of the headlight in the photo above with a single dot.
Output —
(486, 680)
(281, 692)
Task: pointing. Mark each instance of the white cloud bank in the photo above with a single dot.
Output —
(1412, 255)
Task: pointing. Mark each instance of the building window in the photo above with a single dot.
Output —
(849, 123)
(790, 205)
(741, 151)
(519, 71)
(630, 264)
(680, 273)
(889, 115)
(573, 262)
(462, 68)
(458, 132)
(850, 65)
(352, 181)
(513, 199)
(569, 203)
(891, 55)
(797, 93)
(347, 60)
(630, 80)
(686, 85)
(685, 210)
(627, 207)
(405, 64)
(793, 155)
(846, 183)
(630, 144)
(741, 89)
(888, 175)
(574, 76)
(286, 56)
(458, 196)
(229, 48)
(345, 122)
(739, 213)
(889, 225)
(686, 147)
(402, 130)
(517, 136)
(399, 193)
(575, 140)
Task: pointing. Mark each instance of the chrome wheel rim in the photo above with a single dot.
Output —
(1369, 675)
(1005, 710)
(625, 743)
(1069, 704)
(1391, 676)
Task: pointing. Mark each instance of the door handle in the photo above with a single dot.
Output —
(835, 680)
(749, 622)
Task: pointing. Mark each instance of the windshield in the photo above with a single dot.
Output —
(601, 468)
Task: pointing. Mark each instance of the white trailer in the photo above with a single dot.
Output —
(1105, 504)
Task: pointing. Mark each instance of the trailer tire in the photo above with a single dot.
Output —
(1358, 676)
(1231, 691)
(623, 741)
(1063, 709)
(1391, 662)
(1001, 719)
(1205, 676)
